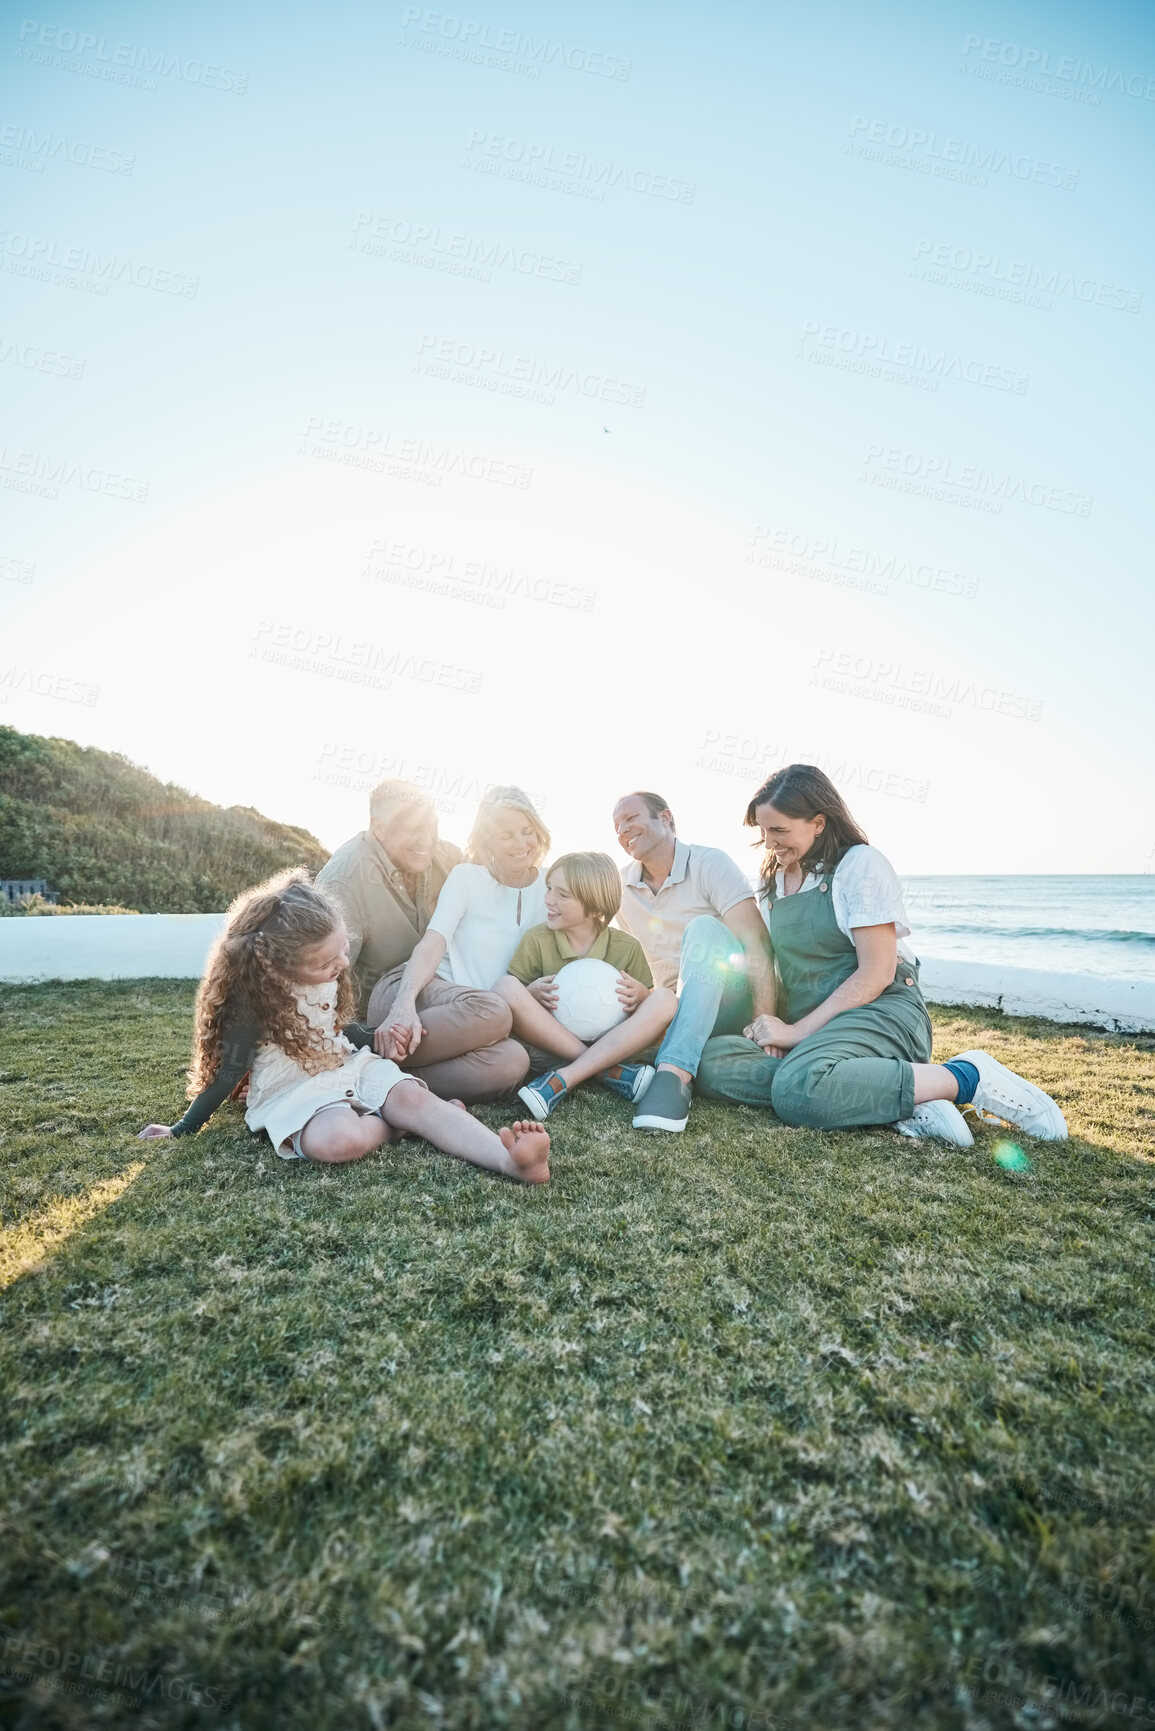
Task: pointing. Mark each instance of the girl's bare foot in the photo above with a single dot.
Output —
(527, 1144)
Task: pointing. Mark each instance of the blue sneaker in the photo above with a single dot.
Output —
(627, 1081)
(543, 1094)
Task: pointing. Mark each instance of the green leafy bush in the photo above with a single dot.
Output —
(107, 834)
(38, 905)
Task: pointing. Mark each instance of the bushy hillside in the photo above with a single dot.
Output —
(102, 830)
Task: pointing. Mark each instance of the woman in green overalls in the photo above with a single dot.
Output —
(852, 1043)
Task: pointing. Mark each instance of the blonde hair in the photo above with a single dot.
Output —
(495, 800)
(594, 879)
(250, 970)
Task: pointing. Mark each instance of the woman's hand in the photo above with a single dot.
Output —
(545, 991)
(775, 1036)
(152, 1131)
(631, 993)
(400, 1036)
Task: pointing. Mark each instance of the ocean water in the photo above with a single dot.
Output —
(1069, 925)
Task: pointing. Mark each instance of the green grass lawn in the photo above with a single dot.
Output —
(745, 1427)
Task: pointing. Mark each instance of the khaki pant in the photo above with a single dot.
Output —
(466, 1053)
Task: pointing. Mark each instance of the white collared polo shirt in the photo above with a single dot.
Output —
(702, 880)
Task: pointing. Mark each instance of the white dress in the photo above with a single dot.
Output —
(283, 1096)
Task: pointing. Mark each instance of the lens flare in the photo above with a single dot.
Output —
(1011, 1158)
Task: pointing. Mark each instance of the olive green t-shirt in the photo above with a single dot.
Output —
(543, 952)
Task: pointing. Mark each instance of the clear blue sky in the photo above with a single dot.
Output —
(715, 387)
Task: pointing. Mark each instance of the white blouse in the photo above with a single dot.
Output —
(865, 891)
(478, 918)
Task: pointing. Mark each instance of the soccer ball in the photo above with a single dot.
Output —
(587, 998)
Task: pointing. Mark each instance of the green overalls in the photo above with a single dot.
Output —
(855, 1070)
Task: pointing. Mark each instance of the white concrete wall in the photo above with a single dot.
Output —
(175, 946)
(1122, 1006)
(106, 946)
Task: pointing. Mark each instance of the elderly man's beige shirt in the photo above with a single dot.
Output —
(384, 920)
(702, 880)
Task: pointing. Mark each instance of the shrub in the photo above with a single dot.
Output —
(38, 905)
(106, 833)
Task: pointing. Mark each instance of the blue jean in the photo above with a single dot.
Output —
(713, 996)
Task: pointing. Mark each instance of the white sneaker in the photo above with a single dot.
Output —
(940, 1119)
(1002, 1094)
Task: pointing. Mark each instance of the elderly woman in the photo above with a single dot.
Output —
(486, 906)
(387, 882)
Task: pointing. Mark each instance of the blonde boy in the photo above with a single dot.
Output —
(583, 893)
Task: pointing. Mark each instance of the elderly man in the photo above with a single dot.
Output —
(694, 914)
(386, 882)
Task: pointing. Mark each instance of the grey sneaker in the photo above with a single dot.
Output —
(665, 1105)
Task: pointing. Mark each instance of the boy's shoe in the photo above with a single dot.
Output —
(1002, 1094)
(940, 1119)
(665, 1105)
(543, 1094)
(627, 1081)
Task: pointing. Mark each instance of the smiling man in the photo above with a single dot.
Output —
(386, 882)
(694, 914)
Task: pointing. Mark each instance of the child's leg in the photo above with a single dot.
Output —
(521, 1151)
(644, 1028)
(532, 1022)
(337, 1133)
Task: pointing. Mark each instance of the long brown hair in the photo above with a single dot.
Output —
(802, 790)
(250, 973)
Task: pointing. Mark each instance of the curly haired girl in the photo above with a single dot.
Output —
(275, 1001)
